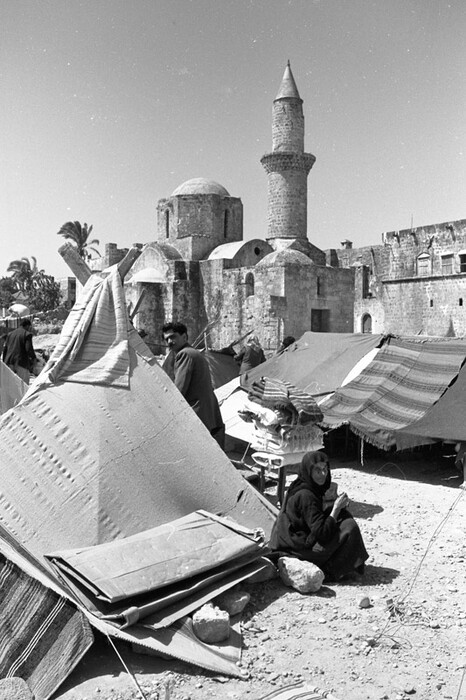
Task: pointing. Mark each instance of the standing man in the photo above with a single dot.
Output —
(192, 378)
(18, 352)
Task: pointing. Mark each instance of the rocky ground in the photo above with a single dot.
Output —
(412, 516)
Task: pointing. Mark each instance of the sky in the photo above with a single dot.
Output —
(108, 105)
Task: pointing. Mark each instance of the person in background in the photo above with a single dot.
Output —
(251, 356)
(286, 342)
(328, 537)
(18, 352)
(191, 375)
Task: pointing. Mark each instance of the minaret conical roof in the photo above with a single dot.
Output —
(288, 86)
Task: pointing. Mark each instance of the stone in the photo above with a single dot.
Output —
(211, 625)
(15, 689)
(365, 602)
(233, 601)
(267, 573)
(300, 575)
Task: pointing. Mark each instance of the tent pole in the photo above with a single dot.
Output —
(82, 271)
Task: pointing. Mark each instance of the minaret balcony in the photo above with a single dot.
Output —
(286, 160)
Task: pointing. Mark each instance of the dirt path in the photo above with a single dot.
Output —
(413, 519)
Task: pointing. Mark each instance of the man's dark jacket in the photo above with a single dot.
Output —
(18, 348)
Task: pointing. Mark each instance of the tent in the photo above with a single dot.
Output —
(444, 421)
(318, 362)
(396, 389)
(223, 367)
(103, 447)
(12, 388)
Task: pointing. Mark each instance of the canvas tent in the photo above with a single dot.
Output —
(407, 377)
(385, 388)
(317, 363)
(12, 388)
(104, 447)
(444, 421)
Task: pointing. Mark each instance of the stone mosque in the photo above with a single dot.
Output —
(201, 271)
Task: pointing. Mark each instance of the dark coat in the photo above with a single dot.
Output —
(305, 529)
(304, 523)
(249, 358)
(18, 349)
(192, 378)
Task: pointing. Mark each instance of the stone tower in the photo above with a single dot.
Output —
(287, 167)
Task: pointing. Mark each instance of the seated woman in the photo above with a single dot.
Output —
(329, 538)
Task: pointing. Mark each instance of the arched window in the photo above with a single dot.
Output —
(225, 223)
(167, 223)
(366, 323)
(249, 284)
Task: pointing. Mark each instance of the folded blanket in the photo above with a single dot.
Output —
(273, 393)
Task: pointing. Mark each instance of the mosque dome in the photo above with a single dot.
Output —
(284, 257)
(200, 185)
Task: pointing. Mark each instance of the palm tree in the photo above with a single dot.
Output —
(79, 234)
(26, 274)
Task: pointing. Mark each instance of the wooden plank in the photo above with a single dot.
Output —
(125, 265)
(77, 265)
(81, 269)
(138, 304)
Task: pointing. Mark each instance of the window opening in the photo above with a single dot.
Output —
(249, 284)
(447, 264)
(423, 265)
(366, 325)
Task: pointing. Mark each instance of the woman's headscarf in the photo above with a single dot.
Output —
(305, 480)
(253, 341)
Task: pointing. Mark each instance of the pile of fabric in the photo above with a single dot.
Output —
(285, 418)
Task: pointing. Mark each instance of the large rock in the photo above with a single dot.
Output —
(269, 571)
(300, 575)
(233, 601)
(15, 688)
(211, 625)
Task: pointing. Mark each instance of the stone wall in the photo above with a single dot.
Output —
(413, 283)
(426, 306)
(113, 255)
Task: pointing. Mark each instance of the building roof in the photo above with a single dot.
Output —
(200, 185)
(284, 257)
(288, 86)
(226, 251)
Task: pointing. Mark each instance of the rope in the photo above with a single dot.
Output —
(131, 675)
(402, 598)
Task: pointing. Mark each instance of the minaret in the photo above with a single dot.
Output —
(287, 167)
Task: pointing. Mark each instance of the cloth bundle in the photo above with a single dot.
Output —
(277, 393)
(284, 417)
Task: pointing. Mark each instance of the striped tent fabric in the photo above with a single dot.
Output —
(272, 392)
(397, 388)
(93, 346)
(42, 635)
(298, 691)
